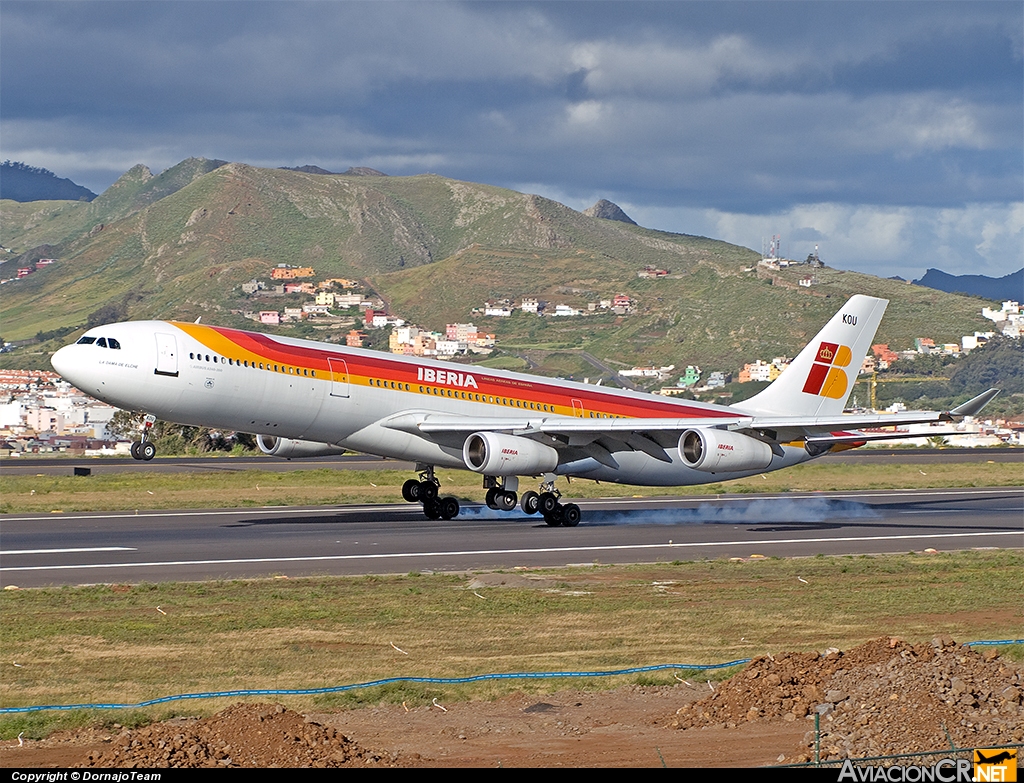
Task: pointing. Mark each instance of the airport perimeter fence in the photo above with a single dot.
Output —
(428, 680)
(374, 683)
(926, 758)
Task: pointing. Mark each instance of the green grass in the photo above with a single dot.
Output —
(109, 643)
(253, 488)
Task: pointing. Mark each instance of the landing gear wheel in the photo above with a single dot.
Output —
(548, 503)
(491, 498)
(449, 508)
(135, 449)
(411, 491)
(554, 517)
(428, 491)
(571, 515)
(147, 451)
(507, 500)
(432, 508)
(530, 503)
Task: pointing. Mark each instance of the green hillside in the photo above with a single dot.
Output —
(714, 314)
(179, 245)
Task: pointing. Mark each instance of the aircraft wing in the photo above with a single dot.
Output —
(655, 435)
(598, 438)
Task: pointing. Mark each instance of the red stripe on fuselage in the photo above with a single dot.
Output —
(381, 366)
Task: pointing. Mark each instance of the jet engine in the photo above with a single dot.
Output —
(494, 454)
(721, 451)
(289, 448)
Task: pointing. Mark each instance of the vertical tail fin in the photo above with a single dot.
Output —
(821, 377)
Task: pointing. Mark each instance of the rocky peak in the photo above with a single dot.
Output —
(608, 211)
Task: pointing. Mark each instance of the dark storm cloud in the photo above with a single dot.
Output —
(738, 108)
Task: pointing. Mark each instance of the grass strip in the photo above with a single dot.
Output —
(129, 643)
(254, 488)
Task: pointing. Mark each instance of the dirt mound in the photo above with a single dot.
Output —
(243, 735)
(886, 696)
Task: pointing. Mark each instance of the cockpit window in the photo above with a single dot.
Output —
(102, 342)
(112, 343)
(86, 340)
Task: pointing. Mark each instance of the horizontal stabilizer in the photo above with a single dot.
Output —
(862, 437)
(973, 406)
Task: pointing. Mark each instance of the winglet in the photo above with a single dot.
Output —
(973, 406)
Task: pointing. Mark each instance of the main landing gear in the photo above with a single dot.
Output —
(501, 492)
(144, 449)
(502, 497)
(426, 491)
(547, 504)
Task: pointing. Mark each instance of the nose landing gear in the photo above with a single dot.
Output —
(143, 449)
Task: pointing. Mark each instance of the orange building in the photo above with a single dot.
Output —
(291, 273)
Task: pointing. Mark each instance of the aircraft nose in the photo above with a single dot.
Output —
(61, 360)
(66, 363)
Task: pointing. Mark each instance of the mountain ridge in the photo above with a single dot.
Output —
(181, 243)
(24, 183)
(994, 288)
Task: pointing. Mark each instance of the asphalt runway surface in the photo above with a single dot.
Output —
(111, 547)
(64, 466)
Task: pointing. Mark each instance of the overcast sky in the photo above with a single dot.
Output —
(891, 134)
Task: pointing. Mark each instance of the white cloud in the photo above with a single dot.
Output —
(922, 122)
(586, 113)
(654, 67)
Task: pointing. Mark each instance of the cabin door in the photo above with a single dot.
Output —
(339, 377)
(166, 355)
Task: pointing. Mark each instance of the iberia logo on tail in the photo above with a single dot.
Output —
(826, 378)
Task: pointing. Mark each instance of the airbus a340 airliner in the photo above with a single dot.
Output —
(308, 399)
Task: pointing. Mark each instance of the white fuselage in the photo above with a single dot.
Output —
(298, 389)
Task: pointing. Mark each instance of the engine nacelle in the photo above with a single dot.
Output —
(289, 448)
(721, 451)
(494, 454)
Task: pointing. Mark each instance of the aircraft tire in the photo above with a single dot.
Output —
(147, 451)
(449, 508)
(507, 500)
(491, 498)
(571, 515)
(554, 518)
(548, 503)
(428, 491)
(432, 508)
(530, 503)
(135, 449)
(411, 491)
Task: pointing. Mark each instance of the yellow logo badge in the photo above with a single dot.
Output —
(995, 764)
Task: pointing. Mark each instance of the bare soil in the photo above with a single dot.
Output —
(886, 696)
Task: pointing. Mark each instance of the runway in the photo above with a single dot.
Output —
(84, 548)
